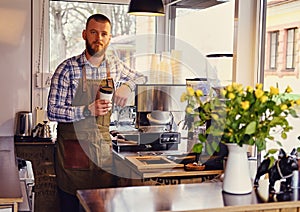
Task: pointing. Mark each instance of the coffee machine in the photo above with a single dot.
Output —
(157, 108)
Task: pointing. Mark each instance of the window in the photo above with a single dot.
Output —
(290, 49)
(283, 54)
(209, 39)
(68, 18)
(273, 50)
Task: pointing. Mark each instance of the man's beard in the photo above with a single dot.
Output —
(93, 52)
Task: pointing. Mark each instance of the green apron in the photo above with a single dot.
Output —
(84, 156)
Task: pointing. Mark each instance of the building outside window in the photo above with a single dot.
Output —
(273, 50)
(290, 49)
(282, 22)
(282, 41)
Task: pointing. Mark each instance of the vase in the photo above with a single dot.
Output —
(237, 179)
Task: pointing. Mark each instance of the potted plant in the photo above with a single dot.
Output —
(240, 116)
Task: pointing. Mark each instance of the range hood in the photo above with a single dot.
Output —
(195, 4)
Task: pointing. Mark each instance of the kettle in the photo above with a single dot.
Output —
(24, 124)
(42, 130)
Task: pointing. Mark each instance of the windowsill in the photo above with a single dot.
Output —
(282, 73)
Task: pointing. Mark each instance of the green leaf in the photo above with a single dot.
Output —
(209, 149)
(293, 113)
(202, 138)
(197, 148)
(283, 135)
(251, 128)
(272, 161)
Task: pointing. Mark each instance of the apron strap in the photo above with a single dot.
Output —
(84, 83)
(107, 70)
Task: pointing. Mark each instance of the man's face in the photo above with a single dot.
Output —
(97, 37)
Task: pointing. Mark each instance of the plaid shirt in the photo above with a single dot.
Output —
(66, 79)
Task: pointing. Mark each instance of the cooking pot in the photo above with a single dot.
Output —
(24, 124)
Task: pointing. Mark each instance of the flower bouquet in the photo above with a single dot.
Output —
(240, 115)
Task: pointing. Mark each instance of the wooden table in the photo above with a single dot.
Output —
(183, 197)
(10, 189)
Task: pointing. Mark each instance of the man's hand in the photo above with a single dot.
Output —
(100, 107)
(121, 95)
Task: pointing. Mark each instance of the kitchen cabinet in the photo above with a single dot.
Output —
(41, 155)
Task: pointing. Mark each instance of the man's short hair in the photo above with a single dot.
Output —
(98, 17)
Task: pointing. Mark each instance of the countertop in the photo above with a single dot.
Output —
(184, 197)
(156, 170)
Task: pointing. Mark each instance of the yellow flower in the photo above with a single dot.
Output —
(283, 107)
(214, 116)
(288, 89)
(189, 110)
(259, 86)
(298, 101)
(190, 91)
(245, 105)
(263, 99)
(274, 91)
(223, 92)
(259, 93)
(231, 96)
(199, 93)
(249, 89)
(240, 88)
(183, 97)
(229, 88)
(235, 86)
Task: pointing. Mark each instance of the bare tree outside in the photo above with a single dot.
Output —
(67, 20)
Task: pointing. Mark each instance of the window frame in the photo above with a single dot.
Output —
(290, 53)
(273, 50)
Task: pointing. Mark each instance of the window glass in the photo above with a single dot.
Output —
(273, 49)
(281, 26)
(290, 49)
(68, 18)
(283, 52)
(209, 32)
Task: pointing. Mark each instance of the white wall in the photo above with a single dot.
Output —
(15, 61)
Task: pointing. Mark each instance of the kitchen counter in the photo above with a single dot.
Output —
(184, 197)
(134, 172)
(10, 189)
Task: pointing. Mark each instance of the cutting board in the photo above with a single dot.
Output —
(152, 162)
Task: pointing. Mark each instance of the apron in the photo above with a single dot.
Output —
(84, 156)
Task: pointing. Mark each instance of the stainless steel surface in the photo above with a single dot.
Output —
(24, 123)
(160, 97)
(27, 183)
(42, 130)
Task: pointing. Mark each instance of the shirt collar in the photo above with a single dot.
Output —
(84, 61)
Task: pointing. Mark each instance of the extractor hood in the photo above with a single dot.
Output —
(195, 4)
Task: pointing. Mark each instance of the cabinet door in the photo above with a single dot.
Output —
(42, 159)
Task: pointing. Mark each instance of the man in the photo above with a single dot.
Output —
(83, 142)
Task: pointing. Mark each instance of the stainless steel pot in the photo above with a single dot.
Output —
(24, 124)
